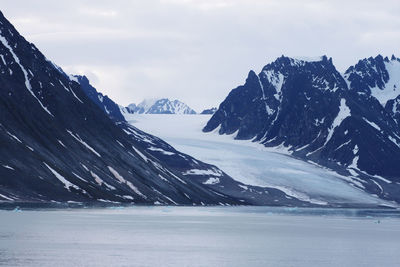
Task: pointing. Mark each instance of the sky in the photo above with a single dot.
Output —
(197, 51)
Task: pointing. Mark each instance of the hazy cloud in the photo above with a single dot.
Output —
(198, 50)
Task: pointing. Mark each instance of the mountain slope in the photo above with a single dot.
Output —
(58, 146)
(104, 102)
(211, 176)
(159, 106)
(313, 111)
(252, 164)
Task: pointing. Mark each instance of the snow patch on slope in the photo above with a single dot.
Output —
(161, 150)
(140, 154)
(61, 178)
(203, 172)
(344, 112)
(27, 82)
(373, 124)
(276, 79)
(76, 137)
(122, 180)
(392, 87)
(212, 180)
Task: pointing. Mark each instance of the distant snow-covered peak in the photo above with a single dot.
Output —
(160, 106)
(146, 103)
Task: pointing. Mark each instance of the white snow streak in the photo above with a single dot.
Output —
(14, 137)
(61, 178)
(212, 180)
(344, 112)
(7, 198)
(83, 143)
(140, 154)
(99, 181)
(372, 124)
(123, 181)
(203, 172)
(4, 61)
(61, 143)
(161, 150)
(27, 82)
(8, 167)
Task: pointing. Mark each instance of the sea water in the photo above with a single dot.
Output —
(199, 236)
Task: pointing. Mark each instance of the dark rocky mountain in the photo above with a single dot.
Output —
(59, 146)
(206, 175)
(348, 123)
(159, 106)
(104, 102)
(209, 111)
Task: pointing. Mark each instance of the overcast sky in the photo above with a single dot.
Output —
(198, 50)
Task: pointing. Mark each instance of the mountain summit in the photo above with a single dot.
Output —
(349, 123)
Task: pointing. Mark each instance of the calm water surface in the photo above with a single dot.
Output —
(185, 236)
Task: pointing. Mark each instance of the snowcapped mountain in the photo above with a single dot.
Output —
(209, 111)
(159, 106)
(347, 123)
(62, 141)
(59, 146)
(204, 174)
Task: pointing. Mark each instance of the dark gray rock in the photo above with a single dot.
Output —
(319, 115)
(209, 111)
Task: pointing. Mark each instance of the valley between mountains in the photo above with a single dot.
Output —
(253, 164)
(298, 134)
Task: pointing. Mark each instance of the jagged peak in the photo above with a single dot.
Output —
(160, 105)
(374, 60)
(80, 78)
(285, 61)
(310, 59)
(252, 75)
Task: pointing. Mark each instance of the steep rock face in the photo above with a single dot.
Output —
(57, 145)
(379, 80)
(336, 121)
(373, 84)
(203, 174)
(104, 102)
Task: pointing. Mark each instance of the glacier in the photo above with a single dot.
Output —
(252, 163)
